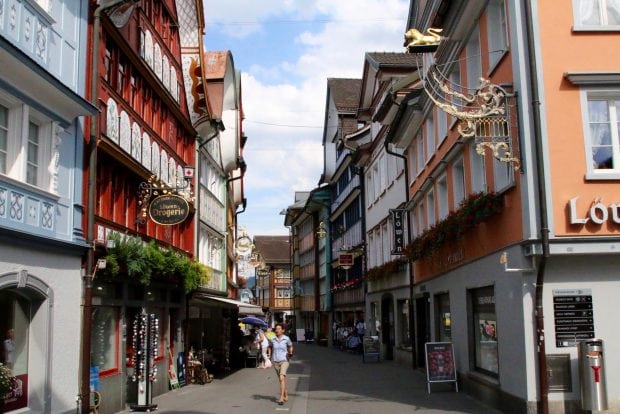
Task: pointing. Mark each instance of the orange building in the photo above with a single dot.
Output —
(513, 214)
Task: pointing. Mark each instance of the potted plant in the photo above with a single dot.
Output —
(6, 384)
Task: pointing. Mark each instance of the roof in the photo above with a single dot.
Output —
(215, 64)
(273, 249)
(345, 93)
(393, 59)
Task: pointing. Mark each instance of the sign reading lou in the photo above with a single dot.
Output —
(168, 209)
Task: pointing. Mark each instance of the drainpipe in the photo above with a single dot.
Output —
(543, 383)
(411, 264)
(87, 281)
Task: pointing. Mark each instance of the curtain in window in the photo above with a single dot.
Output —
(589, 12)
(600, 134)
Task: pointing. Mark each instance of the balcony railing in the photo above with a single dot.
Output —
(352, 237)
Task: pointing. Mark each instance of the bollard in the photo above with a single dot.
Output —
(592, 375)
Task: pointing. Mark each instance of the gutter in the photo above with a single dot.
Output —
(543, 382)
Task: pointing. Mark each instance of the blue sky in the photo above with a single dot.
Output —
(286, 50)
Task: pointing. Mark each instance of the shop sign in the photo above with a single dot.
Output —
(168, 209)
(345, 260)
(598, 213)
(398, 244)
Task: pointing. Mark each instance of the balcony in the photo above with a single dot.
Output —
(353, 184)
(351, 237)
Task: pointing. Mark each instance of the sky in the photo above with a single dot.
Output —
(286, 50)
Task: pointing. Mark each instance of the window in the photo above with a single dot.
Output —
(32, 158)
(458, 182)
(430, 203)
(455, 81)
(502, 174)
(104, 339)
(478, 174)
(442, 125)
(474, 66)
(383, 172)
(442, 196)
(596, 13)
(602, 137)
(420, 154)
(444, 318)
(497, 31)
(4, 130)
(430, 136)
(421, 216)
(370, 197)
(484, 323)
(414, 222)
(385, 234)
(376, 178)
(404, 339)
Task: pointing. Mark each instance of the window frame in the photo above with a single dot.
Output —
(497, 32)
(608, 95)
(602, 26)
(477, 309)
(443, 205)
(458, 179)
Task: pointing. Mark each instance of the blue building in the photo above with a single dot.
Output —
(42, 105)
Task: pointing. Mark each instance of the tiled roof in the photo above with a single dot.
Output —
(345, 93)
(393, 59)
(273, 249)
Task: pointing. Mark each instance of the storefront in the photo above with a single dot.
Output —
(118, 307)
(40, 325)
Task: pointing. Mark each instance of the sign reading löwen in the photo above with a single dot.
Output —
(168, 210)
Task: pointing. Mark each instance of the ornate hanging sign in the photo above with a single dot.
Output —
(168, 209)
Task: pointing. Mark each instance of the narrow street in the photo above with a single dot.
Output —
(322, 381)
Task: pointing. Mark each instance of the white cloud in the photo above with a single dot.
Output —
(282, 160)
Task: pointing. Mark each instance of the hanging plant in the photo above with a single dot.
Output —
(132, 258)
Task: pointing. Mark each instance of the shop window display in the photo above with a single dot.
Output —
(444, 318)
(105, 339)
(485, 331)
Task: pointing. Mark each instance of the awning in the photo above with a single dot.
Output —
(244, 308)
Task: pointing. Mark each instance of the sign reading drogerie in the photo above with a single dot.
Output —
(168, 210)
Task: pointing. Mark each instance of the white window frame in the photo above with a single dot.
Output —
(456, 82)
(20, 116)
(430, 208)
(497, 36)
(612, 97)
(387, 245)
(4, 150)
(477, 170)
(603, 18)
(431, 144)
(443, 207)
(420, 158)
(458, 181)
(503, 175)
(442, 126)
(383, 172)
(474, 61)
(370, 193)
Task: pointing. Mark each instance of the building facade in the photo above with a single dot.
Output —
(140, 147)
(346, 211)
(42, 240)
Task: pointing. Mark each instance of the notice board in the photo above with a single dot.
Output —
(440, 363)
(371, 347)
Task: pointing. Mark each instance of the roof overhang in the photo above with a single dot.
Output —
(24, 77)
(244, 308)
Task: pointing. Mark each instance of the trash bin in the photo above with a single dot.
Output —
(592, 375)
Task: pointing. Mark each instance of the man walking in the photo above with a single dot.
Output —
(281, 351)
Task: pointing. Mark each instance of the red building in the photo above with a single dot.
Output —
(144, 135)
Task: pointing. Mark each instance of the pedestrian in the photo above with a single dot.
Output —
(281, 352)
(264, 348)
(9, 348)
(360, 327)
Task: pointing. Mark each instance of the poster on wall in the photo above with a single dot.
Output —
(440, 363)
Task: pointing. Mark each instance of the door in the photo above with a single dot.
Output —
(387, 326)
(422, 318)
